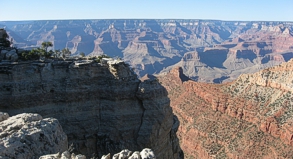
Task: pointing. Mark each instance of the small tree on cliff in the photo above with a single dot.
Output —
(44, 49)
(82, 54)
(46, 45)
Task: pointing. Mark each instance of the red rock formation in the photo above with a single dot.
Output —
(247, 118)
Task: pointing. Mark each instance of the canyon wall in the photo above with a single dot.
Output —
(250, 117)
(103, 108)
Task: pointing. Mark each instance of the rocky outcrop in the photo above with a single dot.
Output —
(64, 155)
(102, 108)
(250, 117)
(124, 154)
(29, 136)
(223, 49)
(8, 54)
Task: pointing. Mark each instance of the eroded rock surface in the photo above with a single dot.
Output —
(250, 117)
(124, 154)
(28, 136)
(8, 54)
(102, 107)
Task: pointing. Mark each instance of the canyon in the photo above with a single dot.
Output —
(102, 107)
(250, 117)
(108, 106)
(210, 51)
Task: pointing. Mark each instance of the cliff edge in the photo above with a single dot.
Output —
(102, 107)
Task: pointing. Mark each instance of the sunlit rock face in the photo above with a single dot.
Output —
(146, 153)
(250, 117)
(223, 49)
(29, 136)
(102, 108)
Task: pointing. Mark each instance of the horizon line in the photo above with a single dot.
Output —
(150, 19)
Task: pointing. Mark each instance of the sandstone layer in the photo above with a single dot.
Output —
(250, 117)
(102, 108)
(28, 136)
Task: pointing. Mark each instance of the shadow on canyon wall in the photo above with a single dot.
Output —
(102, 109)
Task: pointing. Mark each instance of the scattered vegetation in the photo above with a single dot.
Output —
(43, 52)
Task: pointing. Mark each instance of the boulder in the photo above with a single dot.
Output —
(64, 155)
(12, 55)
(124, 154)
(52, 156)
(79, 156)
(147, 154)
(135, 155)
(28, 136)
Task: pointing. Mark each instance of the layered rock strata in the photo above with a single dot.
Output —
(102, 107)
(28, 136)
(208, 50)
(250, 117)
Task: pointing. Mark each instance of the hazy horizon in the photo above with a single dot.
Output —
(145, 19)
(225, 10)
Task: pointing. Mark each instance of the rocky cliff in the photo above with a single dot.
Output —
(28, 136)
(250, 117)
(207, 50)
(102, 108)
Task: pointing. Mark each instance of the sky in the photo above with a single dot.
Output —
(243, 10)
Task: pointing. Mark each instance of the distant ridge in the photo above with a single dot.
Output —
(224, 49)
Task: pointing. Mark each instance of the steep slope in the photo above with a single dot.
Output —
(102, 108)
(225, 48)
(250, 117)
